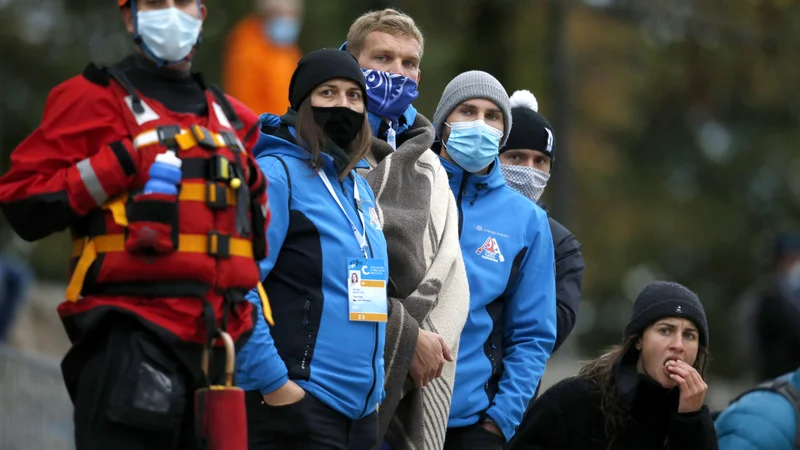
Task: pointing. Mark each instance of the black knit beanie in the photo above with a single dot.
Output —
(531, 130)
(320, 66)
(661, 299)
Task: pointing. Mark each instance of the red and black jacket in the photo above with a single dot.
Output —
(167, 260)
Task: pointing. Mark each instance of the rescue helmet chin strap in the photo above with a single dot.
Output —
(137, 38)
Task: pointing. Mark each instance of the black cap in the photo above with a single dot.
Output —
(531, 130)
(320, 66)
(661, 299)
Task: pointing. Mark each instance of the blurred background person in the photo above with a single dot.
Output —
(261, 54)
(15, 279)
(769, 314)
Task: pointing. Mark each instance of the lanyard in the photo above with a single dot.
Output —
(391, 137)
(360, 237)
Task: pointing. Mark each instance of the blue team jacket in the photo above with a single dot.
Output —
(511, 327)
(313, 341)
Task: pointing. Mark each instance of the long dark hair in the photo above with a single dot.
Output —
(600, 372)
(312, 138)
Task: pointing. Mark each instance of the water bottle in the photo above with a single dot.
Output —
(165, 174)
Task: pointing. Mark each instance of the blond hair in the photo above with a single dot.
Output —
(389, 21)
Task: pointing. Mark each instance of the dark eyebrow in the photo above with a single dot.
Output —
(669, 325)
(327, 85)
(495, 110)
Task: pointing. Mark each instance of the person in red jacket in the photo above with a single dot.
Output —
(162, 256)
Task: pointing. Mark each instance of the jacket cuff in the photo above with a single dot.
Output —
(503, 422)
(273, 386)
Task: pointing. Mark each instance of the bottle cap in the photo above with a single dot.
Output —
(169, 158)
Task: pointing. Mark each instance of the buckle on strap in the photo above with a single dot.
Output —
(219, 197)
(219, 245)
(220, 169)
(167, 134)
(203, 137)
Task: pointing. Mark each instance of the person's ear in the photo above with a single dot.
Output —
(127, 17)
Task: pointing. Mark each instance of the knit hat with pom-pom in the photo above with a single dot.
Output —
(531, 130)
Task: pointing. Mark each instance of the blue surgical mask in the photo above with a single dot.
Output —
(168, 34)
(389, 94)
(473, 145)
(283, 30)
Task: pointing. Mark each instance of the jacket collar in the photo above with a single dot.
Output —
(634, 388)
(380, 127)
(279, 136)
(475, 184)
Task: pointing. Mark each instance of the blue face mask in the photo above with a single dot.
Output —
(389, 94)
(283, 30)
(473, 145)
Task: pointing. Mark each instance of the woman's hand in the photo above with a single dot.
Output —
(287, 394)
(693, 388)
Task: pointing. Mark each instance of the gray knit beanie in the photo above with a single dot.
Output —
(469, 85)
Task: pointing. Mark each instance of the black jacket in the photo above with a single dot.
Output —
(568, 417)
(569, 277)
(778, 335)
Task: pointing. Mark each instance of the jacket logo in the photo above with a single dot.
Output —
(490, 250)
(374, 220)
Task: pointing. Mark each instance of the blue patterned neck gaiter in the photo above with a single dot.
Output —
(389, 94)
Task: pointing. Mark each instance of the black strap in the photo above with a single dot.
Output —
(119, 77)
(230, 113)
(288, 177)
(196, 168)
(256, 126)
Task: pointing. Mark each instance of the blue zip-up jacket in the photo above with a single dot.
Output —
(313, 342)
(760, 420)
(511, 327)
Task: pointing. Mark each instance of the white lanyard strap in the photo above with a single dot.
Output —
(360, 237)
(391, 137)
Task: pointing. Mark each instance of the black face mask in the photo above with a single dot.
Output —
(340, 124)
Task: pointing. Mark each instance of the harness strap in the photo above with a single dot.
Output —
(186, 139)
(213, 244)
